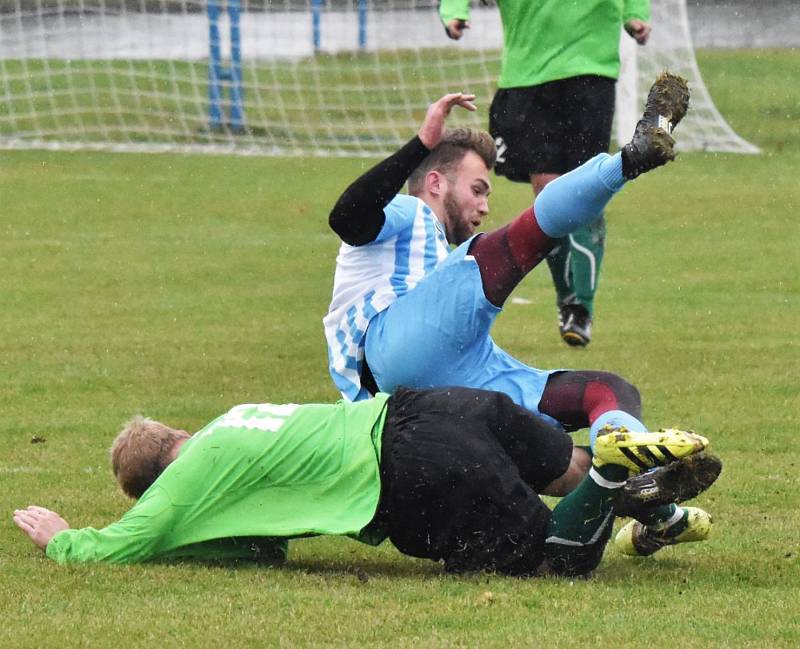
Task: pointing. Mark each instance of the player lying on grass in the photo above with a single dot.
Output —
(449, 474)
(408, 311)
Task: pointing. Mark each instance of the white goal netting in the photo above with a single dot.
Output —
(277, 77)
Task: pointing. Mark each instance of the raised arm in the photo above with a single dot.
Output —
(358, 215)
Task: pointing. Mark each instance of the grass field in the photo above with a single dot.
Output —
(180, 286)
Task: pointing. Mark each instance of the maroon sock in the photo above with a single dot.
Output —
(598, 398)
(507, 254)
(577, 397)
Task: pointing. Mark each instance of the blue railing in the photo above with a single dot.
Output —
(218, 72)
(231, 75)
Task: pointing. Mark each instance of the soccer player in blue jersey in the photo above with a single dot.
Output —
(408, 311)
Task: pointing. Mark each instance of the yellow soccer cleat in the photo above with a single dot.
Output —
(637, 540)
(639, 451)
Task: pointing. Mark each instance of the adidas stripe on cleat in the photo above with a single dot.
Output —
(675, 482)
(638, 540)
(640, 451)
(652, 144)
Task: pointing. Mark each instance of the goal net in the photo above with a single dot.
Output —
(277, 77)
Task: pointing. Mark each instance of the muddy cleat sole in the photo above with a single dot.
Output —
(637, 540)
(639, 451)
(575, 339)
(675, 482)
(652, 144)
(667, 102)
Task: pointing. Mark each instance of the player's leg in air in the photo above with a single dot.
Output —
(425, 338)
(468, 356)
(452, 346)
(577, 198)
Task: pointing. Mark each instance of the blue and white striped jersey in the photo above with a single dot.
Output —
(371, 277)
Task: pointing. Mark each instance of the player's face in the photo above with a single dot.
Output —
(466, 200)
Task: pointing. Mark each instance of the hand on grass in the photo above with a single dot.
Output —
(432, 130)
(39, 524)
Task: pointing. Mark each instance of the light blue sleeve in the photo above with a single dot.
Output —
(400, 213)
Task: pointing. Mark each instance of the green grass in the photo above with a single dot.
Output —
(179, 286)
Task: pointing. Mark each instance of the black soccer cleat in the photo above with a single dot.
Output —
(675, 482)
(575, 325)
(652, 144)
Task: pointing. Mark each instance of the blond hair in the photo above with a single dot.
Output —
(448, 154)
(141, 452)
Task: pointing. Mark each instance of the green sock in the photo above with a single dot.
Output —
(669, 520)
(655, 516)
(558, 262)
(580, 516)
(586, 246)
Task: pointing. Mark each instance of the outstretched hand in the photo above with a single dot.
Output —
(39, 524)
(432, 130)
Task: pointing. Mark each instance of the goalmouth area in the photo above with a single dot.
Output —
(280, 78)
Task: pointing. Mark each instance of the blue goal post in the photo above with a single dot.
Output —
(316, 23)
(218, 72)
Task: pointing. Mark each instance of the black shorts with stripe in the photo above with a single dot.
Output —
(553, 127)
(460, 472)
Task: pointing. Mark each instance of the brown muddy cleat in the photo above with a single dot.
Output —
(676, 482)
(652, 144)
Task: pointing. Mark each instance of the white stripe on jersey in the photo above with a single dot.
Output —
(371, 277)
(253, 416)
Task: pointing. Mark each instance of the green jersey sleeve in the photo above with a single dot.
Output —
(548, 40)
(636, 9)
(453, 10)
(135, 537)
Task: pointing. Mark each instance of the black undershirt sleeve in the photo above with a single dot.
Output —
(358, 215)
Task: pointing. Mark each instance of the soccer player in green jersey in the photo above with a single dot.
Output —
(553, 111)
(449, 475)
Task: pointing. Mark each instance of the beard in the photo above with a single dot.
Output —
(459, 228)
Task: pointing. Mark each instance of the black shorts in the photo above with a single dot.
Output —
(460, 471)
(553, 127)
